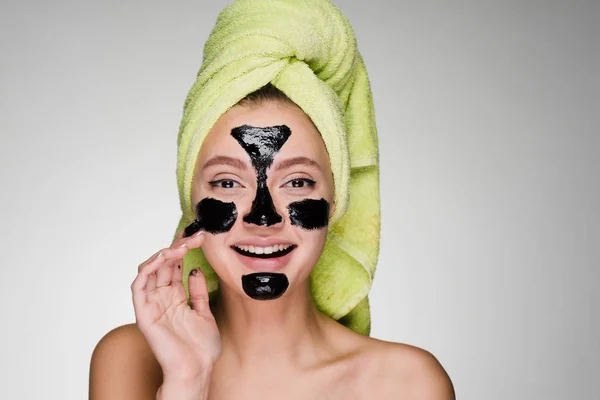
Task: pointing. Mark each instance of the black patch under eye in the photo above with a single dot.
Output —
(309, 213)
(213, 216)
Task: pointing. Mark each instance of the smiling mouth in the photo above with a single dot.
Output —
(251, 251)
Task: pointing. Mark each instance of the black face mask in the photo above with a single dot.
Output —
(216, 216)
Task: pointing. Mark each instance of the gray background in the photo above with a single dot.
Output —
(488, 115)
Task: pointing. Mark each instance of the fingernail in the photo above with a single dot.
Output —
(182, 245)
(194, 272)
(159, 254)
(200, 232)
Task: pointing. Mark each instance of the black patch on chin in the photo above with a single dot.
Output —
(265, 285)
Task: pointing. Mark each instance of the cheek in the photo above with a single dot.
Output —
(212, 247)
(309, 214)
(213, 216)
(312, 243)
(216, 216)
(215, 252)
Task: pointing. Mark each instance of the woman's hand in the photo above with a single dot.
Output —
(185, 341)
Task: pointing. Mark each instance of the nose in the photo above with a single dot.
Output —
(264, 229)
(263, 212)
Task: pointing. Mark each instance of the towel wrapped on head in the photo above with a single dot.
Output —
(306, 49)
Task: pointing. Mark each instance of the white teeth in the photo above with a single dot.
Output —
(264, 250)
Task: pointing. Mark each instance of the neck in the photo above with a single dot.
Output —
(282, 331)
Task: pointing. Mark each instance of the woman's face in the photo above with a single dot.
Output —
(265, 189)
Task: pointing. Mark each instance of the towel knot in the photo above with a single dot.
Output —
(314, 32)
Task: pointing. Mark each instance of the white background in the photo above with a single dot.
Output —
(488, 114)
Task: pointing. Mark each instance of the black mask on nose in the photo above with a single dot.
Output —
(262, 144)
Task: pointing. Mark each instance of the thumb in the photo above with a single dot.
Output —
(198, 291)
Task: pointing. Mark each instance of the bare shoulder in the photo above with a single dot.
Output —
(123, 366)
(401, 371)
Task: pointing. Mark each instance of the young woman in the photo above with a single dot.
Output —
(263, 185)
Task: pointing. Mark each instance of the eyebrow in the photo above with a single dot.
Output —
(225, 160)
(290, 162)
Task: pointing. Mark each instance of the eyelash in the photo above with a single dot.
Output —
(307, 183)
(216, 184)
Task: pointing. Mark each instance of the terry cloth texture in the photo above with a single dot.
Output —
(307, 49)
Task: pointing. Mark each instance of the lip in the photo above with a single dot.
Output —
(264, 264)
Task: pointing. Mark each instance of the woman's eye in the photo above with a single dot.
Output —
(224, 184)
(301, 183)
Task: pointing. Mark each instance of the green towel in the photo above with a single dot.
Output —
(307, 49)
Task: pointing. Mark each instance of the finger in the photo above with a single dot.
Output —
(177, 272)
(160, 269)
(190, 242)
(152, 258)
(194, 241)
(192, 228)
(176, 281)
(139, 285)
(159, 260)
(166, 254)
(176, 243)
(151, 285)
(165, 273)
(198, 291)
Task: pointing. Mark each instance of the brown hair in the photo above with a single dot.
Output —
(267, 92)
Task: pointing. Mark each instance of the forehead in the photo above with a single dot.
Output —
(304, 140)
